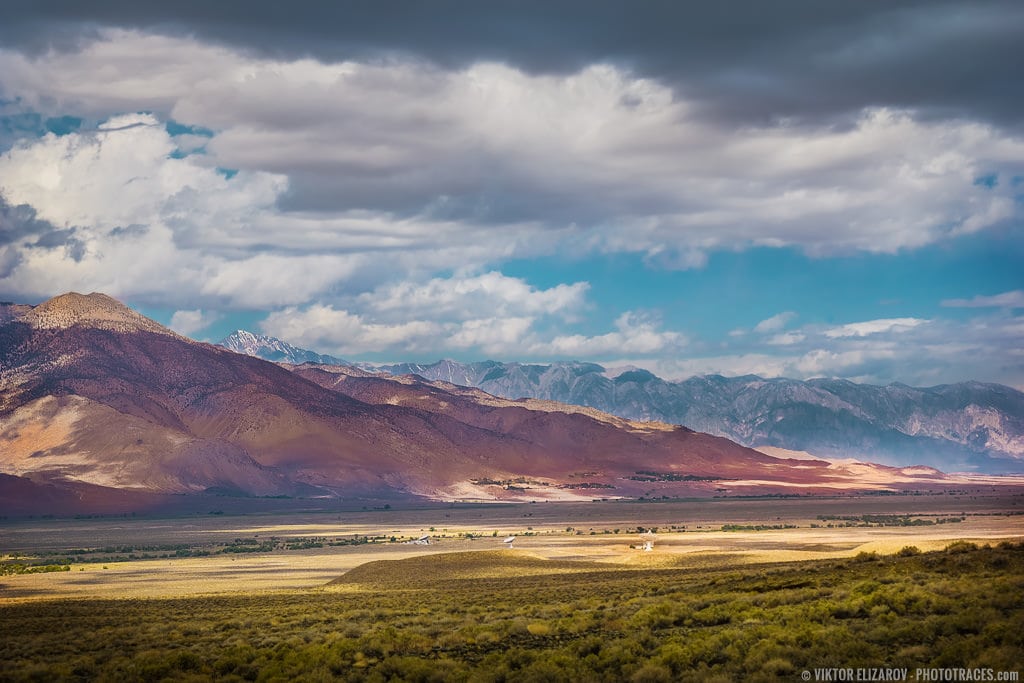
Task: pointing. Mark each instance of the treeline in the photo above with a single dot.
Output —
(9, 568)
(128, 553)
(884, 520)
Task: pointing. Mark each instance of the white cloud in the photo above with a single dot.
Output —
(271, 280)
(174, 230)
(487, 294)
(327, 329)
(786, 339)
(1012, 299)
(869, 327)
(618, 162)
(122, 174)
(942, 351)
(338, 331)
(150, 224)
(190, 322)
(495, 336)
(359, 183)
(635, 333)
(775, 323)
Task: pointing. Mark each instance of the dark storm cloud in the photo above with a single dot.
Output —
(20, 221)
(751, 62)
(55, 239)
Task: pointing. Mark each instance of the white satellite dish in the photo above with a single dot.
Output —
(509, 541)
(648, 546)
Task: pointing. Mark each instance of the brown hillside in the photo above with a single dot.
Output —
(92, 392)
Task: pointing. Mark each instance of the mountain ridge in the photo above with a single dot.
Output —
(963, 426)
(273, 349)
(107, 400)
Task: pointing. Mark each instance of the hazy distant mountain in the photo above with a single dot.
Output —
(273, 349)
(95, 397)
(966, 426)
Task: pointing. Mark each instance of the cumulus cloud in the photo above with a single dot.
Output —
(635, 333)
(339, 331)
(370, 203)
(621, 162)
(512, 337)
(476, 296)
(126, 214)
(190, 322)
(496, 336)
(146, 223)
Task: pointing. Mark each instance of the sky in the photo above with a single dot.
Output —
(795, 188)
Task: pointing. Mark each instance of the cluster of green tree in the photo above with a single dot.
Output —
(956, 608)
(756, 527)
(7, 568)
(586, 485)
(645, 475)
(887, 520)
(128, 553)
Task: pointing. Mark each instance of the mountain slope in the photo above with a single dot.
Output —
(91, 392)
(967, 426)
(963, 427)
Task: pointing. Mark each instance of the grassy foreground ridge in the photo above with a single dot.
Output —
(504, 616)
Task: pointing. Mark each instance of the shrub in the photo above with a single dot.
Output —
(538, 629)
(864, 556)
(957, 547)
(652, 673)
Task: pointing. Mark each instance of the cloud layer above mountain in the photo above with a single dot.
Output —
(364, 183)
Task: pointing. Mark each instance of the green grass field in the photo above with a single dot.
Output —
(513, 616)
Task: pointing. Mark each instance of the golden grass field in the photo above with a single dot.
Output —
(556, 537)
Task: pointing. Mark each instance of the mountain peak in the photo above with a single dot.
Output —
(90, 310)
(273, 349)
(244, 337)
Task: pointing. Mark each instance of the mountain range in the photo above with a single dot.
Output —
(968, 426)
(98, 402)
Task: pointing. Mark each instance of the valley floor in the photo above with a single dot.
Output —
(770, 589)
(125, 557)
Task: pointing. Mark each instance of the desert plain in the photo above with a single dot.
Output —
(136, 556)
